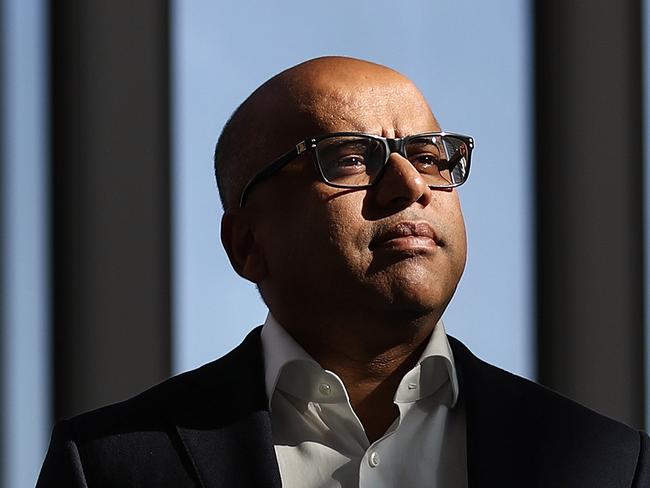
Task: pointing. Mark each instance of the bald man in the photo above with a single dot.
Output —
(340, 204)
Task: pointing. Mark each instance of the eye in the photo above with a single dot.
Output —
(347, 165)
(352, 160)
(426, 162)
(349, 159)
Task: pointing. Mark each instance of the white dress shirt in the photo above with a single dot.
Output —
(320, 442)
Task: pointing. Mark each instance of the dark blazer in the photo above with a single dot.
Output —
(211, 428)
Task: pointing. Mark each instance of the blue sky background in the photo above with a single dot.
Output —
(25, 421)
(471, 60)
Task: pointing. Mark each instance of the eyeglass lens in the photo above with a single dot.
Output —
(358, 160)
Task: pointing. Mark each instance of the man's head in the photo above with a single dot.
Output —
(397, 248)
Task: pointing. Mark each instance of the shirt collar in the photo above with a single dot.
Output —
(290, 368)
(280, 350)
(434, 368)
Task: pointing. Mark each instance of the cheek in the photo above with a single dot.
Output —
(449, 217)
(348, 233)
(322, 228)
(456, 236)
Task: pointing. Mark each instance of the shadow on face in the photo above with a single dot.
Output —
(302, 240)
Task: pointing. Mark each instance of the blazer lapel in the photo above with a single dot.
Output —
(225, 425)
(239, 454)
(497, 451)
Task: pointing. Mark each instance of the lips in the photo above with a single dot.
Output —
(406, 236)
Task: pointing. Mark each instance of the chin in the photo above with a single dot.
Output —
(418, 301)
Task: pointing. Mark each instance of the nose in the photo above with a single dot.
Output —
(402, 185)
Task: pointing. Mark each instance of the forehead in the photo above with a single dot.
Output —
(390, 109)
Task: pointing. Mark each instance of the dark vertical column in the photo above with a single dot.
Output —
(110, 209)
(589, 203)
(3, 249)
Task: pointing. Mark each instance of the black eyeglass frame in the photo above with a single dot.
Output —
(396, 145)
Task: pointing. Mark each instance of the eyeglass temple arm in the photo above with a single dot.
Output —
(272, 168)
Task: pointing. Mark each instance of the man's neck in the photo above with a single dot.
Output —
(370, 358)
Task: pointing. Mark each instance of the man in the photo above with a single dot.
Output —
(340, 204)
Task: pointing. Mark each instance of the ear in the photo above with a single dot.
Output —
(244, 252)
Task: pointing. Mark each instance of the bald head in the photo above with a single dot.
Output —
(302, 101)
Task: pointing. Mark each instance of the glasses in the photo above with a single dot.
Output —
(357, 160)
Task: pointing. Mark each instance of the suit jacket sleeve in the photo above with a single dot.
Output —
(642, 475)
(62, 466)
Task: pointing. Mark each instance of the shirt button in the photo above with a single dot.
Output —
(325, 389)
(373, 459)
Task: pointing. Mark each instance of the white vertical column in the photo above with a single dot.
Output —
(25, 237)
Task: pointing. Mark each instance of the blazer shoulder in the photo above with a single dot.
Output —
(542, 403)
(101, 447)
(180, 399)
(546, 432)
(137, 442)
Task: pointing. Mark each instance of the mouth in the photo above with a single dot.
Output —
(407, 237)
